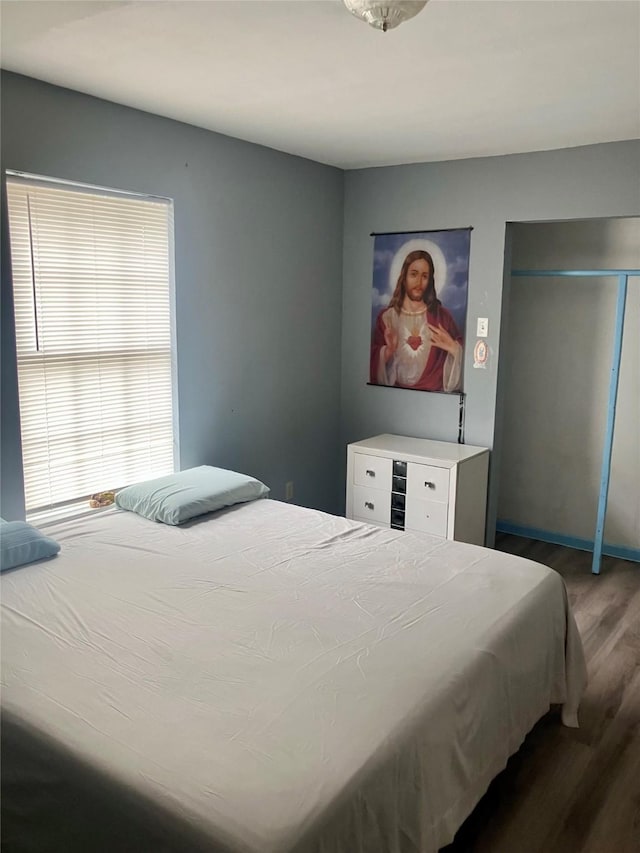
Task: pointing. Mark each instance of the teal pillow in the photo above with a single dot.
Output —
(20, 543)
(187, 494)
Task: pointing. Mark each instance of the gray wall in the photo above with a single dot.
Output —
(262, 312)
(594, 181)
(558, 360)
(258, 252)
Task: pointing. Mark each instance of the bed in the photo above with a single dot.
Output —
(269, 679)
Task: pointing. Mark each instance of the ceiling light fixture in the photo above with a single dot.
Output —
(384, 16)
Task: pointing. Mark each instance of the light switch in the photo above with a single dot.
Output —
(483, 327)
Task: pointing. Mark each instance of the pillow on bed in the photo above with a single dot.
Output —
(20, 543)
(187, 494)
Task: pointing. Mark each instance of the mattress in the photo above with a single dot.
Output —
(269, 679)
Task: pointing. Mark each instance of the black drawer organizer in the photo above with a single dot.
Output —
(398, 494)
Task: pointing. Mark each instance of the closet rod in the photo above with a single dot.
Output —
(623, 276)
(585, 273)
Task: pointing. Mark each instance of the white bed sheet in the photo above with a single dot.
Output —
(272, 679)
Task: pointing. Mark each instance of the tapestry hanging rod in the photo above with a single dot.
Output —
(422, 231)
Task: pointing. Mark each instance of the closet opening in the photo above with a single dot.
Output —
(562, 336)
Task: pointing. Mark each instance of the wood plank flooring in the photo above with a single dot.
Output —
(576, 790)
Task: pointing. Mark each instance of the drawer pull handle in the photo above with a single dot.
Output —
(370, 473)
(368, 505)
(429, 485)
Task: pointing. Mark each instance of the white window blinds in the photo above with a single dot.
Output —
(91, 283)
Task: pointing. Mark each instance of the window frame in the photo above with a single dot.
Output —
(79, 505)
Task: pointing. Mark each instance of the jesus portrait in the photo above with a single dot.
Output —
(420, 284)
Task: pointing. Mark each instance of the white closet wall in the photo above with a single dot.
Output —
(558, 362)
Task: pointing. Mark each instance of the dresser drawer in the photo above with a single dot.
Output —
(371, 504)
(372, 471)
(427, 517)
(427, 482)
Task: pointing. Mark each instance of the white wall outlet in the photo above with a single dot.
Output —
(288, 491)
(483, 327)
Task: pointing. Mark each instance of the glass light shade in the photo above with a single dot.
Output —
(384, 16)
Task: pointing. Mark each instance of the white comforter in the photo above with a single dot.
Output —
(271, 679)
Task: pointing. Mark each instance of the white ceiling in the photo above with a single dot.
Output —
(464, 78)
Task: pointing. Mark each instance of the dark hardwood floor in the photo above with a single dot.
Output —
(576, 790)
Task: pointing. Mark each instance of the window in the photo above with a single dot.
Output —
(91, 283)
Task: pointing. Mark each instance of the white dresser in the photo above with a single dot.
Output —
(435, 487)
